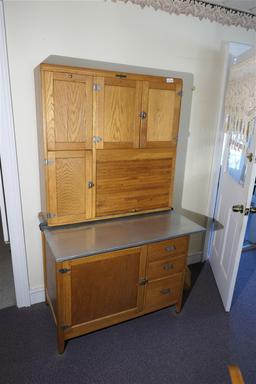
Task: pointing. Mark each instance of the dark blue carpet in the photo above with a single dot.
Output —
(193, 347)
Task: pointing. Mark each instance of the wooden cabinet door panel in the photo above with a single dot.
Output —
(69, 196)
(117, 107)
(68, 110)
(161, 103)
(133, 181)
(107, 285)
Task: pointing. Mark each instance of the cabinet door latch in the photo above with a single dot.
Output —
(96, 139)
(90, 184)
(64, 270)
(143, 115)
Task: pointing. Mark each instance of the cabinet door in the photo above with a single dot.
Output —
(69, 192)
(117, 105)
(105, 289)
(161, 108)
(68, 110)
(133, 181)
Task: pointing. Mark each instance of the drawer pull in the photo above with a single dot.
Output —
(168, 266)
(170, 248)
(165, 291)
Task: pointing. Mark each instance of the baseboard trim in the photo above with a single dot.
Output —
(37, 295)
(195, 257)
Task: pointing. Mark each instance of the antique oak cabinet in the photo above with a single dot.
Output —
(107, 151)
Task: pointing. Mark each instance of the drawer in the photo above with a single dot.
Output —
(173, 247)
(163, 292)
(166, 267)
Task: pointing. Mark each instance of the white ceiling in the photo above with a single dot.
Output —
(241, 5)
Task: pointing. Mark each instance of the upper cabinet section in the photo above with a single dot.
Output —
(161, 100)
(67, 102)
(117, 112)
(86, 108)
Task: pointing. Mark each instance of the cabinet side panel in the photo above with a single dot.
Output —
(42, 150)
(50, 271)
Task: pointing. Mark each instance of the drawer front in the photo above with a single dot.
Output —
(163, 292)
(173, 247)
(166, 267)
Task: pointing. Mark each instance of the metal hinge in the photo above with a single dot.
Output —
(64, 270)
(48, 162)
(65, 326)
(96, 139)
(180, 93)
(50, 215)
(96, 87)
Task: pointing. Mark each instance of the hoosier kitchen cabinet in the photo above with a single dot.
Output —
(113, 250)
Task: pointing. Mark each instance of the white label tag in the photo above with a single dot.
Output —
(169, 80)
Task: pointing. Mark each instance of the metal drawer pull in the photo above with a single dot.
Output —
(165, 291)
(170, 248)
(168, 266)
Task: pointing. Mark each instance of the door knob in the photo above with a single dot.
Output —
(238, 208)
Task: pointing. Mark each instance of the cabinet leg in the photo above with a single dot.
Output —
(61, 342)
(178, 306)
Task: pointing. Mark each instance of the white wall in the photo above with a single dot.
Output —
(121, 33)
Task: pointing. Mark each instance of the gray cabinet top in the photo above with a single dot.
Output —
(92, 238)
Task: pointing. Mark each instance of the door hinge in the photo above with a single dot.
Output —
(50, 215)
(180, 93)
(64, 270)
(48, 162)
(96, 87)
(96, 139)
(65, 326)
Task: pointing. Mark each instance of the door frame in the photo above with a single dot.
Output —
(11, 177)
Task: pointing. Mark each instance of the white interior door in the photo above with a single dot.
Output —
(236, 179)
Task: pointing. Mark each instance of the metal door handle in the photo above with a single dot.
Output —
(143, 281)
(165, 291)
(168, 266)
(238, 208)
(170, 248)
(252, 209)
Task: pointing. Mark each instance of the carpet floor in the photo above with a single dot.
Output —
(193, 347)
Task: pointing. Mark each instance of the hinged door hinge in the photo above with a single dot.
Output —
(96, 87)
(65, 326)
(50, 215)
(180, 93)
(48, 162)
(96, 139)
(64, 270)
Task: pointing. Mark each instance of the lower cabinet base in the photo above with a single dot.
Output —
(89, 293)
